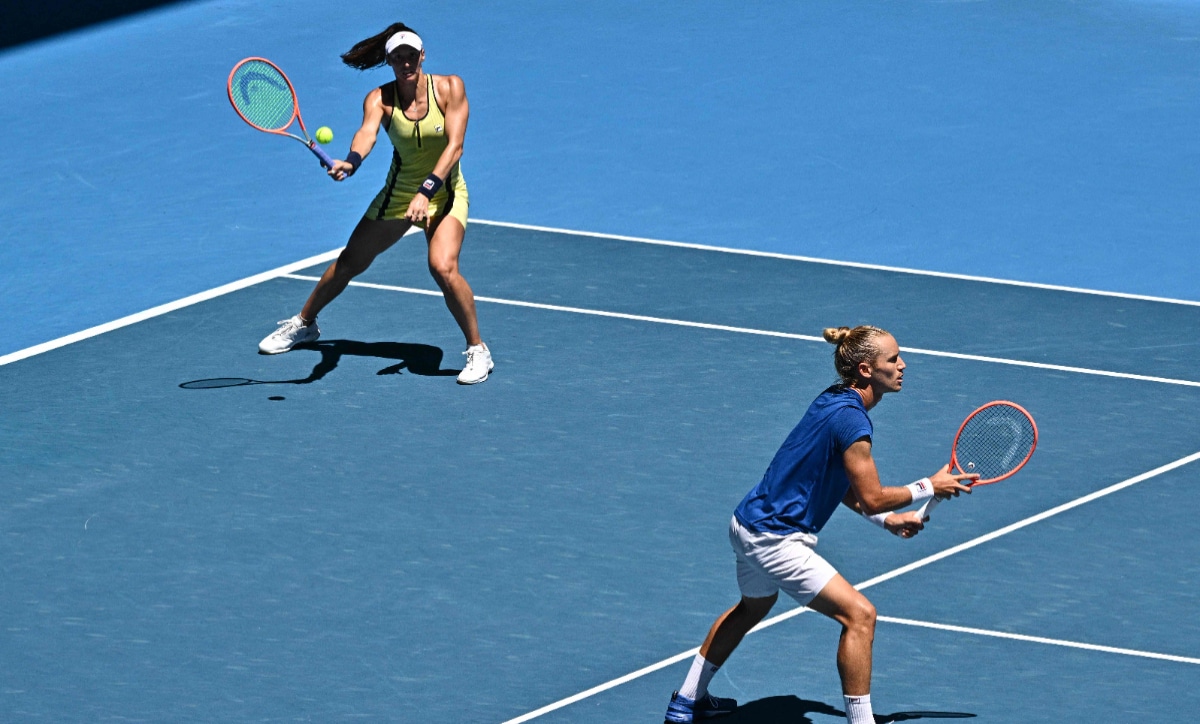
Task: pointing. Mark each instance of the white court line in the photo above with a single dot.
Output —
(764, 332)
(175, 305)
(899, 572)
(1039, 640)
(166, 308)
(834, 262)
(330, 255)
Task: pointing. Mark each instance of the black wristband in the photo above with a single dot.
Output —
(354, 160)
(432, 185)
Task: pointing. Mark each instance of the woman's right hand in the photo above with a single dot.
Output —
(948, 485)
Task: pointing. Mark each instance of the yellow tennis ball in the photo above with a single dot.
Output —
(324, 134)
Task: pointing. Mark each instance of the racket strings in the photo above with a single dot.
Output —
(262, 95)
(994, 442)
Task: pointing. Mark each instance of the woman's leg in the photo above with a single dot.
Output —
(369, 239)
(445, 236)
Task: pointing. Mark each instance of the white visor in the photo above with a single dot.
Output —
(403, 38)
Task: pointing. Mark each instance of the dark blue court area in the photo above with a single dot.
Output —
(668, 203)
(197, 532)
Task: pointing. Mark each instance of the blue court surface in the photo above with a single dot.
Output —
(190, 531)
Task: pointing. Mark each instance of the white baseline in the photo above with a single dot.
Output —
(173, 306)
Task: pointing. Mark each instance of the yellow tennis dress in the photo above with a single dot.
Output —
(417, 147)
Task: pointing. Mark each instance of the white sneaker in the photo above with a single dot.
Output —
(291, 332)
(479, 364)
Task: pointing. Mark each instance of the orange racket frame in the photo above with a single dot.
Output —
(954, 449)
(326, 161)
(954, 463)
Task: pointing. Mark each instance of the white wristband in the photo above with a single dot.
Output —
(879, 518)
(921, 490)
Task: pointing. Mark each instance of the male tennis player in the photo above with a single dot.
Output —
(425, 117)
(826, 460)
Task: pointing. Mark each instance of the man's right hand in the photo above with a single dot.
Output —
(948, 485)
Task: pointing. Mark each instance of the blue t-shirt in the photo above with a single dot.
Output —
(807, 479)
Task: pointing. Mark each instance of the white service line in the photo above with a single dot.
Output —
(1039, 640)
(974, 542)
(328, 256)
(834, 262)
(766, 333)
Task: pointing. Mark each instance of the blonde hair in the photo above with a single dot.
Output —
(854, 346)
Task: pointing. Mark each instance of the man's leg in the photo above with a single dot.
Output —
(841, 602)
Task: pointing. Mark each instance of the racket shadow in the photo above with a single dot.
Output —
(915, 715)
(418, 359)
(794, 709)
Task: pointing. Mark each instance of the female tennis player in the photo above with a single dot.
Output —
(825, 460)
(425, 117)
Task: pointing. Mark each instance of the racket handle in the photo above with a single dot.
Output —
(928, 507)
(319, 152)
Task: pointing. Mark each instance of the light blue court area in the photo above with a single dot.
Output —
(1051, 142)
(195, 532)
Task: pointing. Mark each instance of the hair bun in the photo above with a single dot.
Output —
(835, 335)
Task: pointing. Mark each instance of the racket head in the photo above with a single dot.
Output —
(994, 442)
(262, 95)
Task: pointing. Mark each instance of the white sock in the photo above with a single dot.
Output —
(696, 684)
(858, 709)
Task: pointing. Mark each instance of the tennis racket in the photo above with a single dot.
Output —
(264, 97)
(994, 442)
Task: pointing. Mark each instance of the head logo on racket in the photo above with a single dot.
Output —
(264, 98)
(994, 442)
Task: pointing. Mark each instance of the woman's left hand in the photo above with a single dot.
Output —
(340, 171)
(418, 208)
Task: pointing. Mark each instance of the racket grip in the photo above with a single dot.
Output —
(928, 507)
(319, 152)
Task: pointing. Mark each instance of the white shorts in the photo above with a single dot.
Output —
(768, 562)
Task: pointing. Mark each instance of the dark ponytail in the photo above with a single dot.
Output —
(372, 52)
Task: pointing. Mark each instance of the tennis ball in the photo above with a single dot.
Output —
(324, 134)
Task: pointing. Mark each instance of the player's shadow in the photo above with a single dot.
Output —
(417, 359)
(795, 710)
